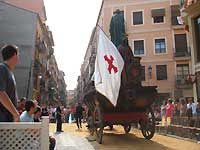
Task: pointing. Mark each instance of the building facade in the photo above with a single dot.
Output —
(32, 5)
(37, 74)
(156, 34)
(18, 26)
(191, 16)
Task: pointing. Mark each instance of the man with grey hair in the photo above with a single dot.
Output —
(8, 93)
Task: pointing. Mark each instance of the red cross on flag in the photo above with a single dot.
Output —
(108, 67)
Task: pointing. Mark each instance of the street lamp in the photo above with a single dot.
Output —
(150, 71)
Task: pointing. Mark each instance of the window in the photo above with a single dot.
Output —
(197, 31)
(180, 44)
(143, 73)
(158, 19)
(137, 18)
(161, 72)
(139, 47)
(158, 15)
(182, 70)
(160, 46)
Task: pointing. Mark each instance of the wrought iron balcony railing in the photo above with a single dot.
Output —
(182, 83)
(182, 52)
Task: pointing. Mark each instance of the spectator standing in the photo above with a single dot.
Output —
(8, 93)
(21, 105)
(198, 113)
(37, 114)
(191, 111)
(79, 115)
(169, 111)
(163, 112)
(183, 108)
(177, 108)
(59, 119)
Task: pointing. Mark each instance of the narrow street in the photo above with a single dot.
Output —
(117, 140)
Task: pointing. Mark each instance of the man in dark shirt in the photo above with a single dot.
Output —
(8, 93)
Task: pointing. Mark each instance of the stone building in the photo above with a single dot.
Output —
(27, 29)
(191, 16)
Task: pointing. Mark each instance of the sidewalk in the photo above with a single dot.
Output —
(67, 141)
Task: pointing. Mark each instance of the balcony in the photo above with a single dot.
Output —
(41, 45)
(182, 53)
(175, 13)
(51, 51)
(182, 83)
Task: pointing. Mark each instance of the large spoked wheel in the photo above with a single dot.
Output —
(98, 125)
(127, 128)
(148, 126)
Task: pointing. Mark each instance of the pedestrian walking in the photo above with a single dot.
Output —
(79, 115)
(8, 93)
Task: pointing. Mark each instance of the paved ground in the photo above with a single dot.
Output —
(117, 140)
(68, 141)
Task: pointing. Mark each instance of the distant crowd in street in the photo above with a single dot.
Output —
(177, 111)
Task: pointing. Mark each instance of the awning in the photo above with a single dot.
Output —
(158, 12)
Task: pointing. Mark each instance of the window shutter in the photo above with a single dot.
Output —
(158, 12)
(161, 72)
(180, 43)
(175, 11)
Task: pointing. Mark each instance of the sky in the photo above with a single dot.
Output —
(71, 22)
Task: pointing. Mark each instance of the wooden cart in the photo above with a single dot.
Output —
(133, 106)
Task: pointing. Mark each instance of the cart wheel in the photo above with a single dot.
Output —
(148, 126)
(98, 125)
(127, 128)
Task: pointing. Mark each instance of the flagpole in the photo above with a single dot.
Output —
(97, 25)
(99, 13)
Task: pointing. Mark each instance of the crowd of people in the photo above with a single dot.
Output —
(179, 108)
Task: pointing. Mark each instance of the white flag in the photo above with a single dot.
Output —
(108, 67)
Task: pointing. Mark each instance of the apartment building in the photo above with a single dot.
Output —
(32, 5)
(156, 34)
(191, 17)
